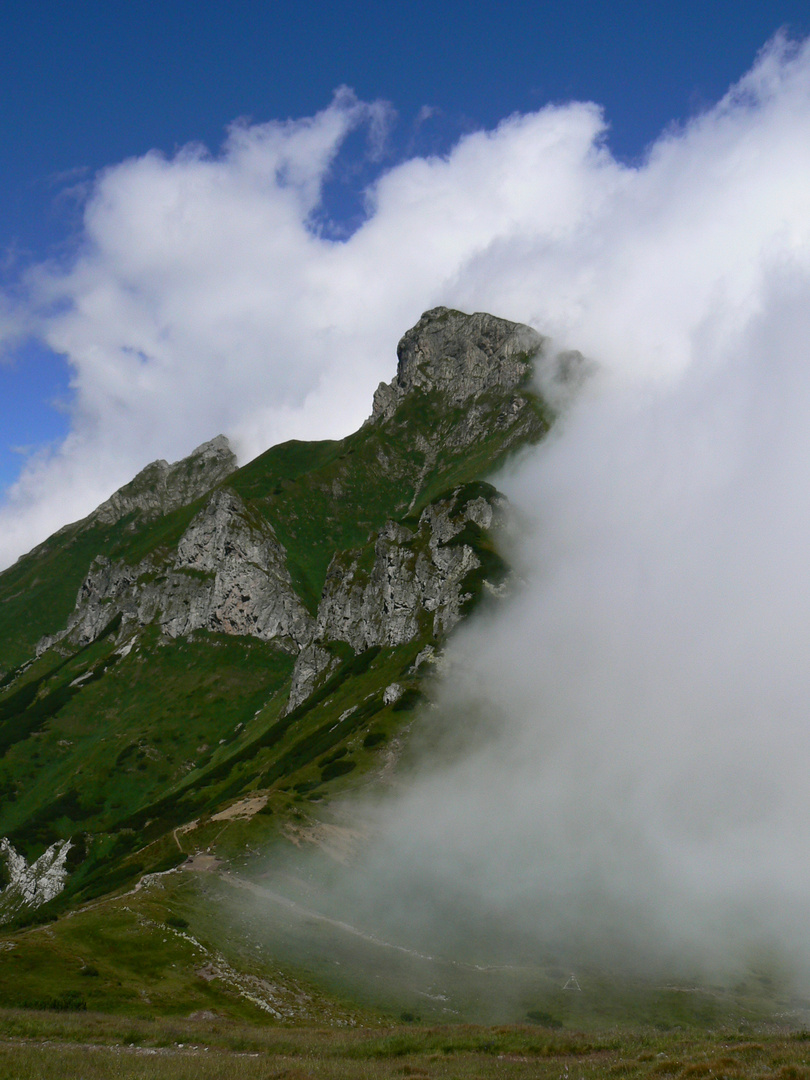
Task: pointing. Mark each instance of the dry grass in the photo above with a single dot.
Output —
(42, 1046)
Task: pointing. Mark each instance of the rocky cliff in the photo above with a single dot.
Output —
(228, 574)
(462, 358)
(160, 487)
(229, 571)
(31, 886)
(414, 580)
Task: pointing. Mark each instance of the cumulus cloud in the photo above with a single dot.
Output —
(203, 296)
(202, 299)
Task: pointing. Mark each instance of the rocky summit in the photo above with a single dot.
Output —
(204, 662)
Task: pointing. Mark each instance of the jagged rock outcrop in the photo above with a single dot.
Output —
(418, 578)
(416, 573)
(229, 574)
(161, 487)
(310, 665)
(462, 357)
(29, 886)
(251, 590)
(465, 377)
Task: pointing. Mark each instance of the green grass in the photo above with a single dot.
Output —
(118, 752)
(147, 954)
(155, 720)
(41, 1046)
(132, 974)
(172, 732)
(38, 593)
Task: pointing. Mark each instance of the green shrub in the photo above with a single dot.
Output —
(409, 700)
(77, 852)
(537, 1016)
(338, 754)
(337, 768)
(68, 1001)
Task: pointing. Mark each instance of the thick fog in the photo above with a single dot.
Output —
(616, 767)
(635, 787)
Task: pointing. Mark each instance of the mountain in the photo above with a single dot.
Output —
(198, 679)
(214, 637)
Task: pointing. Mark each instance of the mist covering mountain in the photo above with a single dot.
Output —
(493, 709)
(197, 669)
(363, 708)
(633, 795)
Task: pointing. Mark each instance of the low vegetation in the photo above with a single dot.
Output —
(171, 765)
(41, 1045)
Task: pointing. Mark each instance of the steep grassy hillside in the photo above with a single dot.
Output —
(125, 735)
(199, 673)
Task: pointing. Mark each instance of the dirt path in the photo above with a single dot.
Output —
(307, 913)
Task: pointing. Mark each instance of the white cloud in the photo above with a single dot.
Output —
(661, 689)
(636, 787)
(203, 298)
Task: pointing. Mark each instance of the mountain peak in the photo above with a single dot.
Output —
(460, 355)
(160, 487)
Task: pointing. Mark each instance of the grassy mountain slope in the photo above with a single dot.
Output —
(149, 750)
(119, 742)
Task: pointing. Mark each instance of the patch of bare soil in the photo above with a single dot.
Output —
(201, 862)
(337, 841)
(245, 808)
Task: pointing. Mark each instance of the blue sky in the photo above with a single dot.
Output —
(86, 86)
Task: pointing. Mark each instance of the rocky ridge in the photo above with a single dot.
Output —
(30, 886)
(420, 574)
(160, 487)
(230, 573)
(416, 571)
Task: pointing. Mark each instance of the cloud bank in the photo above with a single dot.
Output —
(634, 789)
(202, 295)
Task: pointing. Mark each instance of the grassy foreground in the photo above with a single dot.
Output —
(41, 1046)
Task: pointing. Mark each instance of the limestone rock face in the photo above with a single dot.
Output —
(417, 574)
(29, 886)
(417, 580)
(250, 590)
(161, 487)
(462, 356)
(229, 574)
(312, 661)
